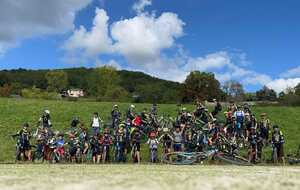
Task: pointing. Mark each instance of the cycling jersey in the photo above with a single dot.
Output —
(240, 115)
(167, 141)
(106, 140)
(177, 137)
(153, 143)
(60, 143)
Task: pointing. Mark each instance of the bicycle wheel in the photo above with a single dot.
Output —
(38, 157)
(53, 158)
(232, 159)
(293, 161)
(179, 158)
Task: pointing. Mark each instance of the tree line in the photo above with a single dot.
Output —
(108, 84)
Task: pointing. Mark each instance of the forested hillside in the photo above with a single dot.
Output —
(142, 86)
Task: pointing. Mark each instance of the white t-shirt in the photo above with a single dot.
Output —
(96, 122)
(153, 143)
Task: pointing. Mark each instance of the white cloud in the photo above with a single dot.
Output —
(140, 5)
(142, 38)
(227, 66)
(281, 84)
(216, 60)
(294, 72)
(93, 42)
(142, 41)
(25, 19)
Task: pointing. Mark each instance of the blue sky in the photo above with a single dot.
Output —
(254, 42)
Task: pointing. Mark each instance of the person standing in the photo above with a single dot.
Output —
(263, 129)
(217, 108)
(96, 124)
(277, 144)
(116, 117)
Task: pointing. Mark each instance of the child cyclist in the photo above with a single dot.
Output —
(60, 143)
(153, 146)
(23, 146)
(136, 145)
(72, 145)
(95, 148)
(106, 142)
(166, 140)
(178, 138)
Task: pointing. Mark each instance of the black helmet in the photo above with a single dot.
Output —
(26, 125)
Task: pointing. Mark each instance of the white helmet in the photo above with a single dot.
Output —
(47, 111)
(165, 129)
(132, 106)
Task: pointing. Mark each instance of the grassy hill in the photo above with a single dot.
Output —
(14, 112)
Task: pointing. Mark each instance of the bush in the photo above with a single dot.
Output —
(290, 100)
(5, 90)
(39, 94)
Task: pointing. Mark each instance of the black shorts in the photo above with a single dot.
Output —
(72, 151)
(138, 146)
(96, 151)
(167, 144)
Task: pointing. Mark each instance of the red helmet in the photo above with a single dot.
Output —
(152, 134)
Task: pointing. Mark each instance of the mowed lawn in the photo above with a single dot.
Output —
(140, 177)
(14, 112)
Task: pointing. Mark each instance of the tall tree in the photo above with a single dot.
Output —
(297, 89)
(202, 86)
(56, 80)
(266, 94)
(234, 90)
(104, 84)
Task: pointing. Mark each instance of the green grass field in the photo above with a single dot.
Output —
(14, 112)
(140, 177)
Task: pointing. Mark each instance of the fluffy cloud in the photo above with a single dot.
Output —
(142, 41)
(216, 60)
(30, 18)
(142, 38)
(140, 5)
(227, 66)
(281, 84)
(295, 72)
(92, 42)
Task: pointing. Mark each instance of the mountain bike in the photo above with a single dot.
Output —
(38, 155)
(189, 158)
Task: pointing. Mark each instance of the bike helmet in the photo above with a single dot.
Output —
(60, 134)
(47, 112)
(26, 125)
(263, 114)
(165, 130)
(152, 134)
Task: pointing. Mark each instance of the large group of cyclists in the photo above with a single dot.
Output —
(192, 136)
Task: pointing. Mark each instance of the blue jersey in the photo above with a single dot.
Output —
(60, 143)
(240, 115)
